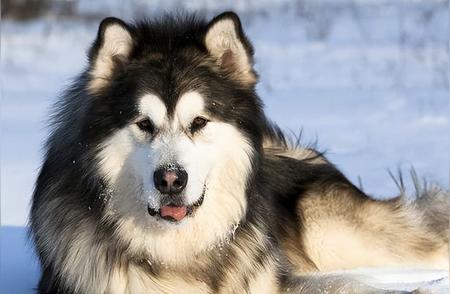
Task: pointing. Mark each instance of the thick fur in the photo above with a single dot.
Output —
(268, 215)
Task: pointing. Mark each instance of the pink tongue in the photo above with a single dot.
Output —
(176, 212)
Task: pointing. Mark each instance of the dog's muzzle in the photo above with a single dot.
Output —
(171, 180)
(175, 211)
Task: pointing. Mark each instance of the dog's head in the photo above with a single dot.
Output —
(178, 126)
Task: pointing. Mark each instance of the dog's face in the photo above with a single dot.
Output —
(182, 130)
(162, 164)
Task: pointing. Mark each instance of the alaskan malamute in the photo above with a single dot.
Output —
(163, 175)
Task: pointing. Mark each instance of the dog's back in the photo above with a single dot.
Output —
(339, 227)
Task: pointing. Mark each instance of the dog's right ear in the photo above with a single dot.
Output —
(227, 44)
(113, 46)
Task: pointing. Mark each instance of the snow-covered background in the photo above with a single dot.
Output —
(367, 79)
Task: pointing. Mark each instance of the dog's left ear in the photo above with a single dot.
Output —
(228, 45)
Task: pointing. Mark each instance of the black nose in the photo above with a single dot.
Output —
(170, 180)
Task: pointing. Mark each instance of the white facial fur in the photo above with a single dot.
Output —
(217, 157)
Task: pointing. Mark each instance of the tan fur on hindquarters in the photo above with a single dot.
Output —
(343, 232)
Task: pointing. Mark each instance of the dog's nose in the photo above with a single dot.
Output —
(170, 180)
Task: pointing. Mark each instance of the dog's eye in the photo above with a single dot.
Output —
(198, 123)
(146, 125)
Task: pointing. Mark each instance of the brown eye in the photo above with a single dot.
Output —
(198, 123)
(146, 125)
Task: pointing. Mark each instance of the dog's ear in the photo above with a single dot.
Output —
(228, 45)
(112, 47)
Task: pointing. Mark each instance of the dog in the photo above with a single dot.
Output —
(162, 174)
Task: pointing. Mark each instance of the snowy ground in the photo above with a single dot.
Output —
(369, 81)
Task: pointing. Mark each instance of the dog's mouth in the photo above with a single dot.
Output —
(174, 212)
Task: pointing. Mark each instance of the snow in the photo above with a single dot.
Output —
(428, 281)
(367, 79)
